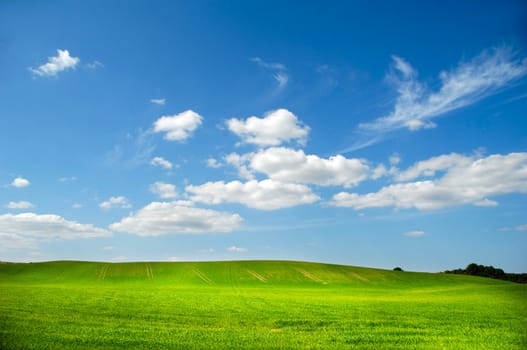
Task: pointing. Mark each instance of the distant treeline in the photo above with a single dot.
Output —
(491, 272)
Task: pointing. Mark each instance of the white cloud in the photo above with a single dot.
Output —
(20, 182)
(158, 101)
(240, 162)
(178, 127)
(76, 205)
(266, 195)
(19, 205)
(108, 248)
(11, 241)
(163, 190)
(430, 166)
(236, 249)
(379, 172)
(159, 218)
(290, 165)
(116, 202)
(466, 181)
(395, 159)
(275, 128)
(486, 203)
(162, 162)
(278, 70)
(47, 227)
(56, 64)
(415, 233)
(213, 163)
(468, 83)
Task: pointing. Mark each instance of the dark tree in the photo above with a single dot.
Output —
(491, 272)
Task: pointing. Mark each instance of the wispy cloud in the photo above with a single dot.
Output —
(135, 150)
(278, 70)
(415, 234)
(94, 65)
(158, 101)
(19, 205)
(519, 228)
(236, 249)
(56, 64)
(416, 104)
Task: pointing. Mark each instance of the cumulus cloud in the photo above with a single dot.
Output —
(19, 205)
(159, 218)
(178, 127)
(415, 234)
(12, 241)
(265, 195)
(288, 165)
(278, 71)
(56, 64)
(20, 182)
(158, 101)
(394, 159)
(241, 163)
(162, 162)
(116, 202)
(46, 227)
(163, 190)
(417, 105)
(466, 181)
(429, 167)
(236, 249)
(213, 163)
(275, 128)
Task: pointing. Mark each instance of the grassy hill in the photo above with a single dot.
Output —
(253, 304)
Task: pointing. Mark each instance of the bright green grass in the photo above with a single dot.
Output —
(253, 305)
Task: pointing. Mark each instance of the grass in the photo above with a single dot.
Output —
(253, 305)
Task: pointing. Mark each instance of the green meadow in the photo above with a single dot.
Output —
(253, 305)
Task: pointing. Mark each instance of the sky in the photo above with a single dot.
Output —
(367, 133)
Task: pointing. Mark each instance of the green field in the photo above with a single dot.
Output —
(253, 305)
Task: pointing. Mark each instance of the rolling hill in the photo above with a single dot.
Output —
(253, 305)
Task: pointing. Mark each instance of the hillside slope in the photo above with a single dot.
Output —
(253, 305)
(221, 273)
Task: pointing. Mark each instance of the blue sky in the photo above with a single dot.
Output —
(366, 133)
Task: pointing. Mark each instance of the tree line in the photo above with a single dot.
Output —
(491, 272)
